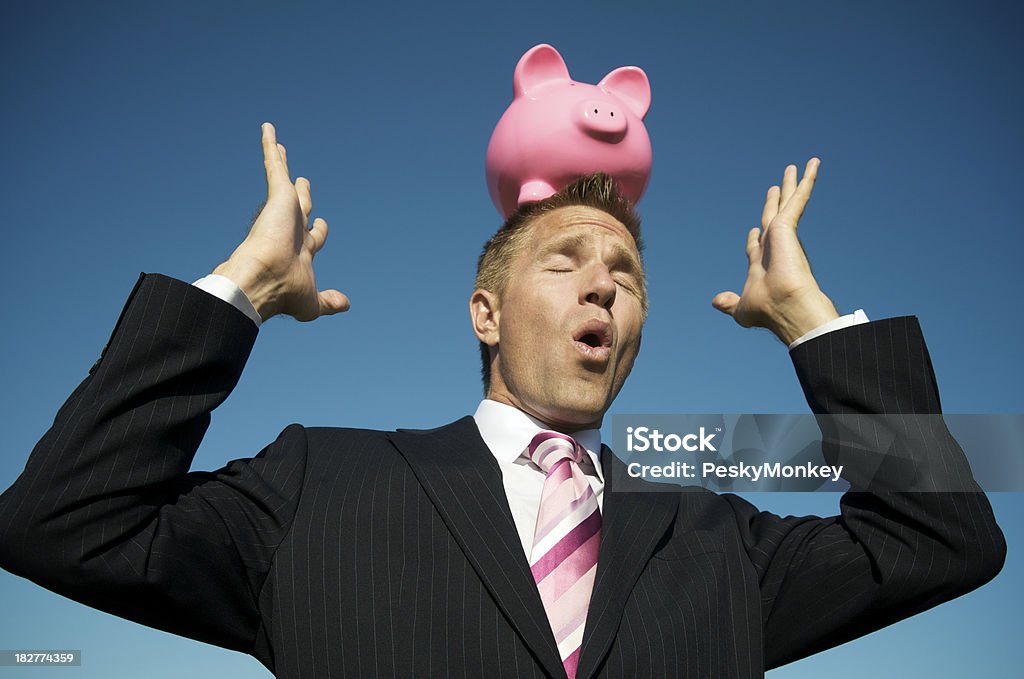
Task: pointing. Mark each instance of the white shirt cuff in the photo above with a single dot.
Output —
(224, 288)
(856, 318)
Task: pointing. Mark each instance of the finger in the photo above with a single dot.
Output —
(319, 233)
(754, 245)
(284, 158)
(788, 185)
(332, 302)
(305, 197)
(771, 207)
(277, 173)
(271, 155)
(726, 302)
(794, 209)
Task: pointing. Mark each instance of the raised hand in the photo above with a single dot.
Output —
(780, 292)
(274, 264)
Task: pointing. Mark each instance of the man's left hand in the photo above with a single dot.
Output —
(780, 292)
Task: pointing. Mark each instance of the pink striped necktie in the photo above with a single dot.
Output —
(564, 555)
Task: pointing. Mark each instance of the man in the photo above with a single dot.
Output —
(498, 544)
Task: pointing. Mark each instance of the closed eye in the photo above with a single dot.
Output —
(558, 262)
(625, 280)
(629, 284)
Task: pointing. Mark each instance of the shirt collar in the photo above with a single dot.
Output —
(507, 431)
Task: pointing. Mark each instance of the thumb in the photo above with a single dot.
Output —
(332, 302)
(726, 302)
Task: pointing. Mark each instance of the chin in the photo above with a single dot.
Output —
(572, 411)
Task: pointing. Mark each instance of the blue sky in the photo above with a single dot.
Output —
(131, 143)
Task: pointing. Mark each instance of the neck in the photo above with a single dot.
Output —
(555, 424)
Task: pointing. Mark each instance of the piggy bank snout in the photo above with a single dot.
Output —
(602, 118)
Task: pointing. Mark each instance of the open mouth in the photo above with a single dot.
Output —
(594, 340)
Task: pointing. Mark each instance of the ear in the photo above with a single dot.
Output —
(541, 64)
(630, 85)
(484, 314)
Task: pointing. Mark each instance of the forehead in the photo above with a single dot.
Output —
(580, 222)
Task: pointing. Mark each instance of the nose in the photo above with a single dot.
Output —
(602, 119)
(599, 287)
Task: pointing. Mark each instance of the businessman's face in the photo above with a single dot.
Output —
(568, 324)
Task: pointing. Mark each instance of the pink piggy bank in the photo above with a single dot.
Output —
(557, 130)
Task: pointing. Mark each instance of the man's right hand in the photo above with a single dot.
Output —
(274, 264)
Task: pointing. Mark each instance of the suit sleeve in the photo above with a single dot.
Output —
(106, 511)
(888, 554)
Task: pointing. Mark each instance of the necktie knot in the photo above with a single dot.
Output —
(548, 447)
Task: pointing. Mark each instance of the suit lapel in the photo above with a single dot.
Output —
(632, 524)
(462, 479)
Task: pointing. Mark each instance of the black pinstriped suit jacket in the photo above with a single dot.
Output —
(346, 552)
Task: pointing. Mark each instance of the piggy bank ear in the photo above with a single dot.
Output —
(541, 64)
(631, 86)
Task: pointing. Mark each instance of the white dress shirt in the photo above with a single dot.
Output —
(507, 431)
